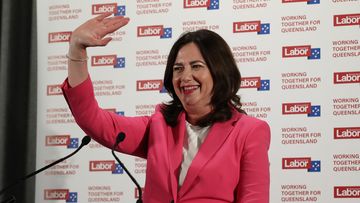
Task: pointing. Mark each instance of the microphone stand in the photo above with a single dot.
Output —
(85, 140)
(120, 138)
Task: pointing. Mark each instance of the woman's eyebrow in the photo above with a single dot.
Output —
(197, 61)
(178, 64)
(191, 63)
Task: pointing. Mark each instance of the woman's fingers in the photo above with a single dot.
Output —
(103, 16)
(104, 41)
(116, 24)
(105, 28)
(114, 18)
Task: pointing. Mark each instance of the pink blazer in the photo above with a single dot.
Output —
(231, 165)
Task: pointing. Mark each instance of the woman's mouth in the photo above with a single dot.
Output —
(189, 89)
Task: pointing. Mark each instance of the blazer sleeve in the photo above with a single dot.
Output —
(254, 181)
(103, 126)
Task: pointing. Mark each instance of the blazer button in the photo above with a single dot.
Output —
(172, 201)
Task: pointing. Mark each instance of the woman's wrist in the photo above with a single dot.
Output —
(71, 58)
(77, 54)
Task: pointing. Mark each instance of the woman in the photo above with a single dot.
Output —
(200, 147)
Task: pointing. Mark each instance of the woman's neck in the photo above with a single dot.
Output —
(193, 116)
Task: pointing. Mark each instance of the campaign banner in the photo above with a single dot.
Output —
(300, 68)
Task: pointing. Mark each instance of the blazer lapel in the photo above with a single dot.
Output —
(216, 137)
(175, 144)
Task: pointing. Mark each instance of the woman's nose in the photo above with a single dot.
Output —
(187, 75)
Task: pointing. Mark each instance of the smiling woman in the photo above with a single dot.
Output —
(201, 59)
(192, 82)
(202, 139)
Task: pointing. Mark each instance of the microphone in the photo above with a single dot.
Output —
(120, 137)
(85, 140)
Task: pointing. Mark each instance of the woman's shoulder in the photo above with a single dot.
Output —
(157, 111)
(249, 121)
(253, 130)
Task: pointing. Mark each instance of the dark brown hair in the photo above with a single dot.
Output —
(225, 74)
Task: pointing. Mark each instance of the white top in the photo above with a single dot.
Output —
(195, 137)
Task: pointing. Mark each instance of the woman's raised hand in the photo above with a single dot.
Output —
(90, 34)
(93, 32)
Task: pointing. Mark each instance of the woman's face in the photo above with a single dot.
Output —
(192, 80)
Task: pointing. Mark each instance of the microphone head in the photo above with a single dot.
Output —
(85, 140)
(120, 137)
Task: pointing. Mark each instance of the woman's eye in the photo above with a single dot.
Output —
(196, 66)
(177, 68)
